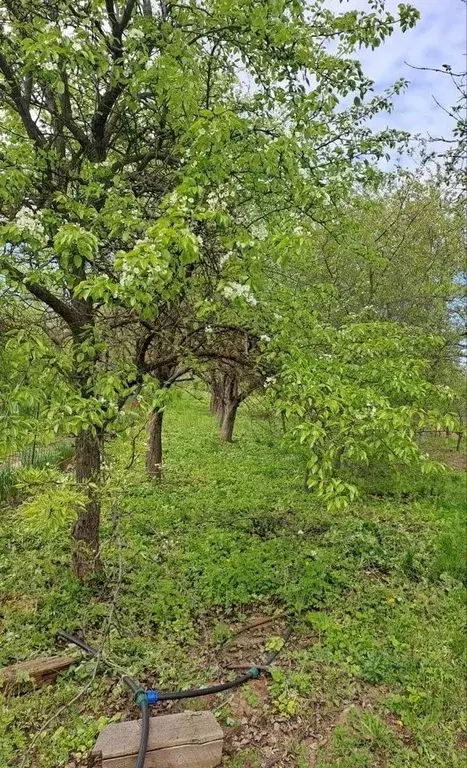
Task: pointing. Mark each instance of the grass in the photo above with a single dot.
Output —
(39, 457)
(6, 482)
(374, 674)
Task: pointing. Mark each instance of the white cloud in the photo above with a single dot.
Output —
(438, 38)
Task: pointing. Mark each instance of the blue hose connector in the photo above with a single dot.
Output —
(152, 697)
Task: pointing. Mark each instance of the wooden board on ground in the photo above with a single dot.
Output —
(34, 673)
(186, 740)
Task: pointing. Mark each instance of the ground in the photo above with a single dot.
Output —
(372, 675)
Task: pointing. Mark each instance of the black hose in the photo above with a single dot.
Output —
(138, 692)
(77, 641)
(252, 673)
(132, 684)
(141, 697)
(191, 693)
(144, 738)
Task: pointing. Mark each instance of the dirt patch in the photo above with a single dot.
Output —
(448, 455)
(456, 460)
(399, 728)
(461, 740)
(253, 728)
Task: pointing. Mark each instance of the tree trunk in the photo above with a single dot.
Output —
(231, 399)
(228, 421)
(217, 396)
(154, 454)
(217, 406)
(85, 536)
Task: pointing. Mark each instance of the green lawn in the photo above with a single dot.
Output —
(373, 674)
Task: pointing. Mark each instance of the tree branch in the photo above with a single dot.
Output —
(20, 104)
(142, 348)
(107, 101)
(70, 315)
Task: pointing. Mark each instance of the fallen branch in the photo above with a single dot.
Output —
(256, 624)
(261, 667)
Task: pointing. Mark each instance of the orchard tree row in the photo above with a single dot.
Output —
(192, 190)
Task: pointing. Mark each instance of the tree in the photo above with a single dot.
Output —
(29, 389)
(361, 348)
(450, 162)
(119, 120)
(395, 255)
(232, 374)
(355, 395)
(161, 356)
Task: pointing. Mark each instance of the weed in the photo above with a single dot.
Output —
(375, 594)
(248, 758)
(221, 632)
(251, 698)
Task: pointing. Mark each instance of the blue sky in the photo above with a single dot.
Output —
(439, 38)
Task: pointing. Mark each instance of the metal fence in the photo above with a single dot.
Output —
(37, 455)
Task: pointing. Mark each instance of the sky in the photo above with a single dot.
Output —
(438, 38)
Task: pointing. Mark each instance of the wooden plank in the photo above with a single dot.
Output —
(164, 731)
(33, 673)
(207, 755)
(188, 739)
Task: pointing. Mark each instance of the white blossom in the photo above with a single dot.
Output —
(269, 380)
(224, 258)
(135, 34)
(259, 231)
(26, 219)
(265, 337)
(239, 290)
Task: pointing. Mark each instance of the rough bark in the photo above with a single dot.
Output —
(231, 399)
(216, 405)
(228, 421)
(85, 537)
(218, 396)
(219, 410)
(154, 453)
